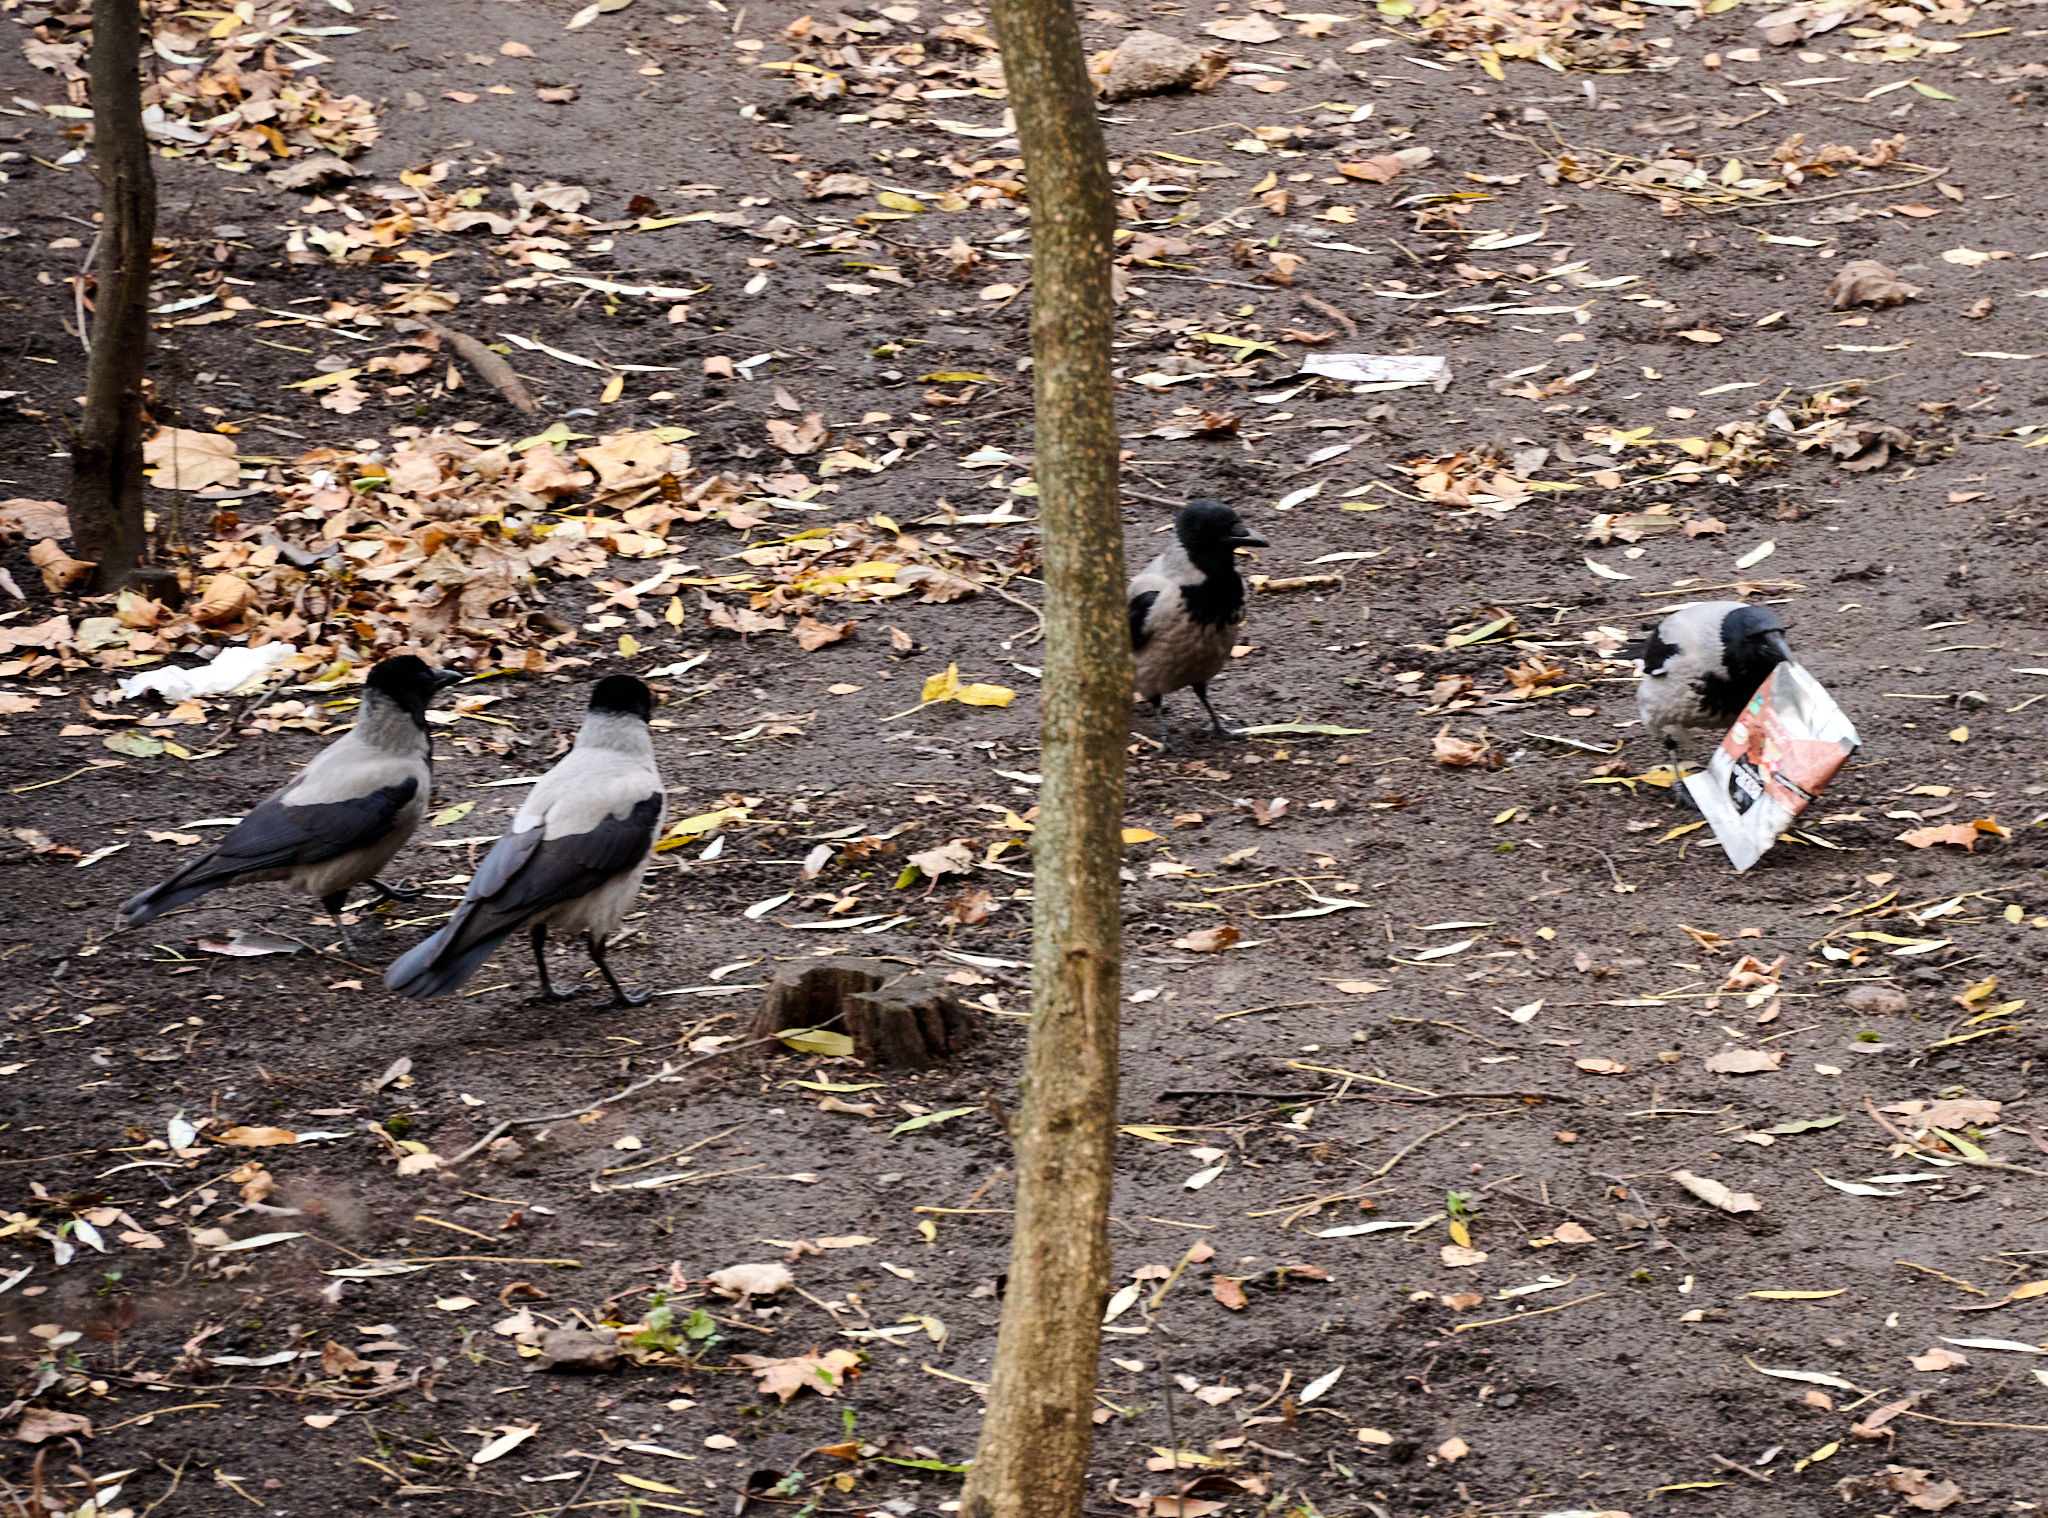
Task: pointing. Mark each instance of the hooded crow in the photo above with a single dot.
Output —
(1186, 607)
(1703, 663)
(573, 859)
(342, 820)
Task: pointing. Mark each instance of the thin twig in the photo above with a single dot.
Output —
(1729, 1465)
(2030, 1428)
(1870, 1106)
(1350, 326)
(176, 1476)
(1403, 1153)
(78, 288)
(667, 1072)
(1203, 279)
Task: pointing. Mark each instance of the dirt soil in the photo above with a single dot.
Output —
(1565, 1328)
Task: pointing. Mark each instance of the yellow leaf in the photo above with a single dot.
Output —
(1490, 61)
(929, 1231)
(887, 524)
(628, 645)
(942, 687)
(175, 751)
(985, 695)
(1824, 1451)
(613, 389)
(650, 1486)
(675, 613)
(1460, 1234)
(1507, 816)
(1138, 835)
(818, 1041)
(1681, 830)
(704, 822)
(322, 381)
(1794, 1296)
(1959, 735)
(896, 202)
(257, 1138)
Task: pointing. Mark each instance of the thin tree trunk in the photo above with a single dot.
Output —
(1033, 1454)
(106, 455)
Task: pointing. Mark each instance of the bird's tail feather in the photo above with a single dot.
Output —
(168, 896)
(435, 968)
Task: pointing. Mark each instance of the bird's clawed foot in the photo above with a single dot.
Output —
(621, 997)
(398, 893)
(538, 937)
(1215, 722)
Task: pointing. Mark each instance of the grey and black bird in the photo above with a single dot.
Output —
(572, 861)
(1702, 664)
(1186, 607)
(337, 825)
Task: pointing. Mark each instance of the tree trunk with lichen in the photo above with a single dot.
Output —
(1035, 1438)
(106, 453)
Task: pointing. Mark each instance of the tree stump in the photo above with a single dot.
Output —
(896, 1019)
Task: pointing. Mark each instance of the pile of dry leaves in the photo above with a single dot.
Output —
(450, 544)
(238, 89)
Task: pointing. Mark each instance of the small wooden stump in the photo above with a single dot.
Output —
(896, 1019)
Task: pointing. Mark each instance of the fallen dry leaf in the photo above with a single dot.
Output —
(23, 517)
(1745, 1061)
(1751, 972)
(1209, 940)
(826, 1373)
(1938, 1358)
(1866, 282)
(1963, 834)
(812, 634)
(1714, 1194)
(59, 570)
(763, 1280)
(187, 460)
(40, 1423)
(1229, 1290)
(1462, 753)
(1453, 1448)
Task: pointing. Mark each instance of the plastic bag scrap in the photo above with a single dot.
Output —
(1781, 753)
(231, 669)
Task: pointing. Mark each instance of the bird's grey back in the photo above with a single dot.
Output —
(610, 769)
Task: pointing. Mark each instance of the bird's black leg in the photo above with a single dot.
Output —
(621, 997)
(396, 892)
(1681, 794)
(332, 903)
(538, 937)
(1202, 695)
(1159, 711)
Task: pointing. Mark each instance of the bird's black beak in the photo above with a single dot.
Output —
(1244, 537)
(1775, 642)
(443, 678)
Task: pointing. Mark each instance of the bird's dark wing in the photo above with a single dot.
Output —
(275, 837)
(526, 874)
(1141, 608)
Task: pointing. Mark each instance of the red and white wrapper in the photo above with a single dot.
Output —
(1789, 742)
